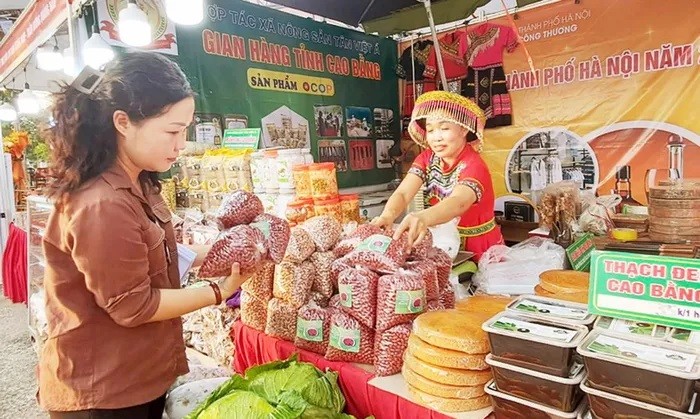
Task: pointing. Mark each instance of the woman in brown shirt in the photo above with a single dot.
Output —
(112, 284)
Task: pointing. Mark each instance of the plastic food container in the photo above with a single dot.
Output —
(350, 206)
(330, 207)
(269, 172)
(323, 180)
(286, 160)
(283, 200)
(560, 393)
(306, 154)
(506, 406)
(659, 373)
(688, 337)
(302, 181)
(550, 308)
(609, 406)
(296, 212)
(629, 327)
(540, 345)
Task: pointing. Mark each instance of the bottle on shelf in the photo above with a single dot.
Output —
(623, 187)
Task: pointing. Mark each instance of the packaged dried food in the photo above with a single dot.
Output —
(427, 270)
(302, 180)
(281, 320)
(389, 347)
(313, 328)
(296, 212)
(334, 301)
(447, 297)
(506, 406)
(324, 231)
(260, 284)
(445, 357)
(540, 345)
(453, 329)
(338, 266)
(258, 169)
(300, 246)
(348, 244)
(329, 207)
(442, 404)
(421, 249)
(400, 299)
(379, 253)
(688, 337)
(350, 208)
(215, 198)
(322, 266)
(564, 281)
(659, 373)
(323, 180)
(350, 341)
(286, 161)
(560, 393)
(293, 282)
(610, 406)
(319, 299)
(358, 294)
(241, 244)
(253, 311)
(444, 375)
(276, 232)
(487, 304)
(443, 262)
(212, 173)
(433, 306)
(548, 308)
(629, 327)
(239, 207)
(434, 388)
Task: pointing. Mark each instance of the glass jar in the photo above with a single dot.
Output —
(296, 212)
(350, 208)
(258, 168)
(286, 160)
(308, 157)
(302, 181)
(269, 175)
(323, 180)
(330, 206)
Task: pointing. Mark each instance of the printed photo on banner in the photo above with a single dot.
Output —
(362, 156)
(383, 123)
(333, 151)
(235, 121)
(285, 128)
(358, 121)
(329, 120)
(383, 157)
(163, 30)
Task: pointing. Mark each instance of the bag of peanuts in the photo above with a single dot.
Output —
(443, 263)
(400, 299)
(313, 328)
(276, 232)
(241, 244)
(322, 265)
(319, 299)
(447, 297)
(379, 253)
(260, 284)
(238, 207)
(427, 270)
(324, 231)
(349, 340)
(348, 244)
(253, 311)
(281, 320)
(358, 294)
(300, 246)
(389, 347)
(421, 249)
(293, 282)
(338, 266)
(334, 301)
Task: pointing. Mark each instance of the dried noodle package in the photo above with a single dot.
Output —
(379, 253)
(277, 232)
(324, 231)
(260, 284)
(241, 244)
(293, 282)
(281, 320)
(348, 244)
(253, 311)
(427, 270)
(389, 347)
(349, 340)
(238, 207)
(300, 246)
(322, 281)
(313, 328)
(400, 299)
(358, 294)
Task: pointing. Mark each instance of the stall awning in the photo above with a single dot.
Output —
(40, 20)
(389, 17)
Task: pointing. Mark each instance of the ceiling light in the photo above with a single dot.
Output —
(185, 12)
(7, 113)
(49, 58)
(133, 25)
(96, 52)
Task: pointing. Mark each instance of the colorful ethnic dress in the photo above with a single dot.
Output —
(477, 226)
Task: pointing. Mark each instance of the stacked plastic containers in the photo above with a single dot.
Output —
(536, 370)
(272, 172)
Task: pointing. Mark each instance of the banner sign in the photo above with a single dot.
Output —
(241, 138)
(653, 289)
(611, 104)
(304, 83)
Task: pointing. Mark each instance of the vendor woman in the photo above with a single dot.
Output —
(458, 183)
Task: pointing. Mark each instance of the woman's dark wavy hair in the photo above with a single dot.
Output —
(84, 140)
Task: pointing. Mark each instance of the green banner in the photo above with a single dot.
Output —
(653, 289)
(298, 80)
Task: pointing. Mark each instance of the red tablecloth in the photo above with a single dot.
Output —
(14, 266)
(254, 348)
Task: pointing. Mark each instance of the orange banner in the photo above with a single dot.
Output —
(615, 94)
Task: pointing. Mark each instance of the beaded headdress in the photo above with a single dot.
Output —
(449, 107)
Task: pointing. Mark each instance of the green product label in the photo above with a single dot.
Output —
(345, 292)
(643, 353)
(375, 243)
(347, 340)
(409, 302)
(644, 288)
(579, 253)
(530, 328)
(242, 138)
(310, 330)
(264, 227)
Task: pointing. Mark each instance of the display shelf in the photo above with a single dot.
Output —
(38, 211)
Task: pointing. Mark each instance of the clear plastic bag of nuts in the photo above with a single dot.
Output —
(443, 263)
(238, 208)
(324, 231)
(281, 320)
(358, 294)
(427, 270)
(349, 340)
(379, 253)
(322, 265)
(276, 232)
(313, 328)
(241, 244)
(293, 282)
(348, 244)
(253, 311)
(260, 285)
(300, 246)
(447, 297)
(389, 347)
(421, 249)
(400, 299)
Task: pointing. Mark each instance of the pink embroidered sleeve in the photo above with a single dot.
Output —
(474, 176)
(420, 165)
(510, 39)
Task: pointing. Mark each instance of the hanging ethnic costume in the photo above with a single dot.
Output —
(477, 226)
